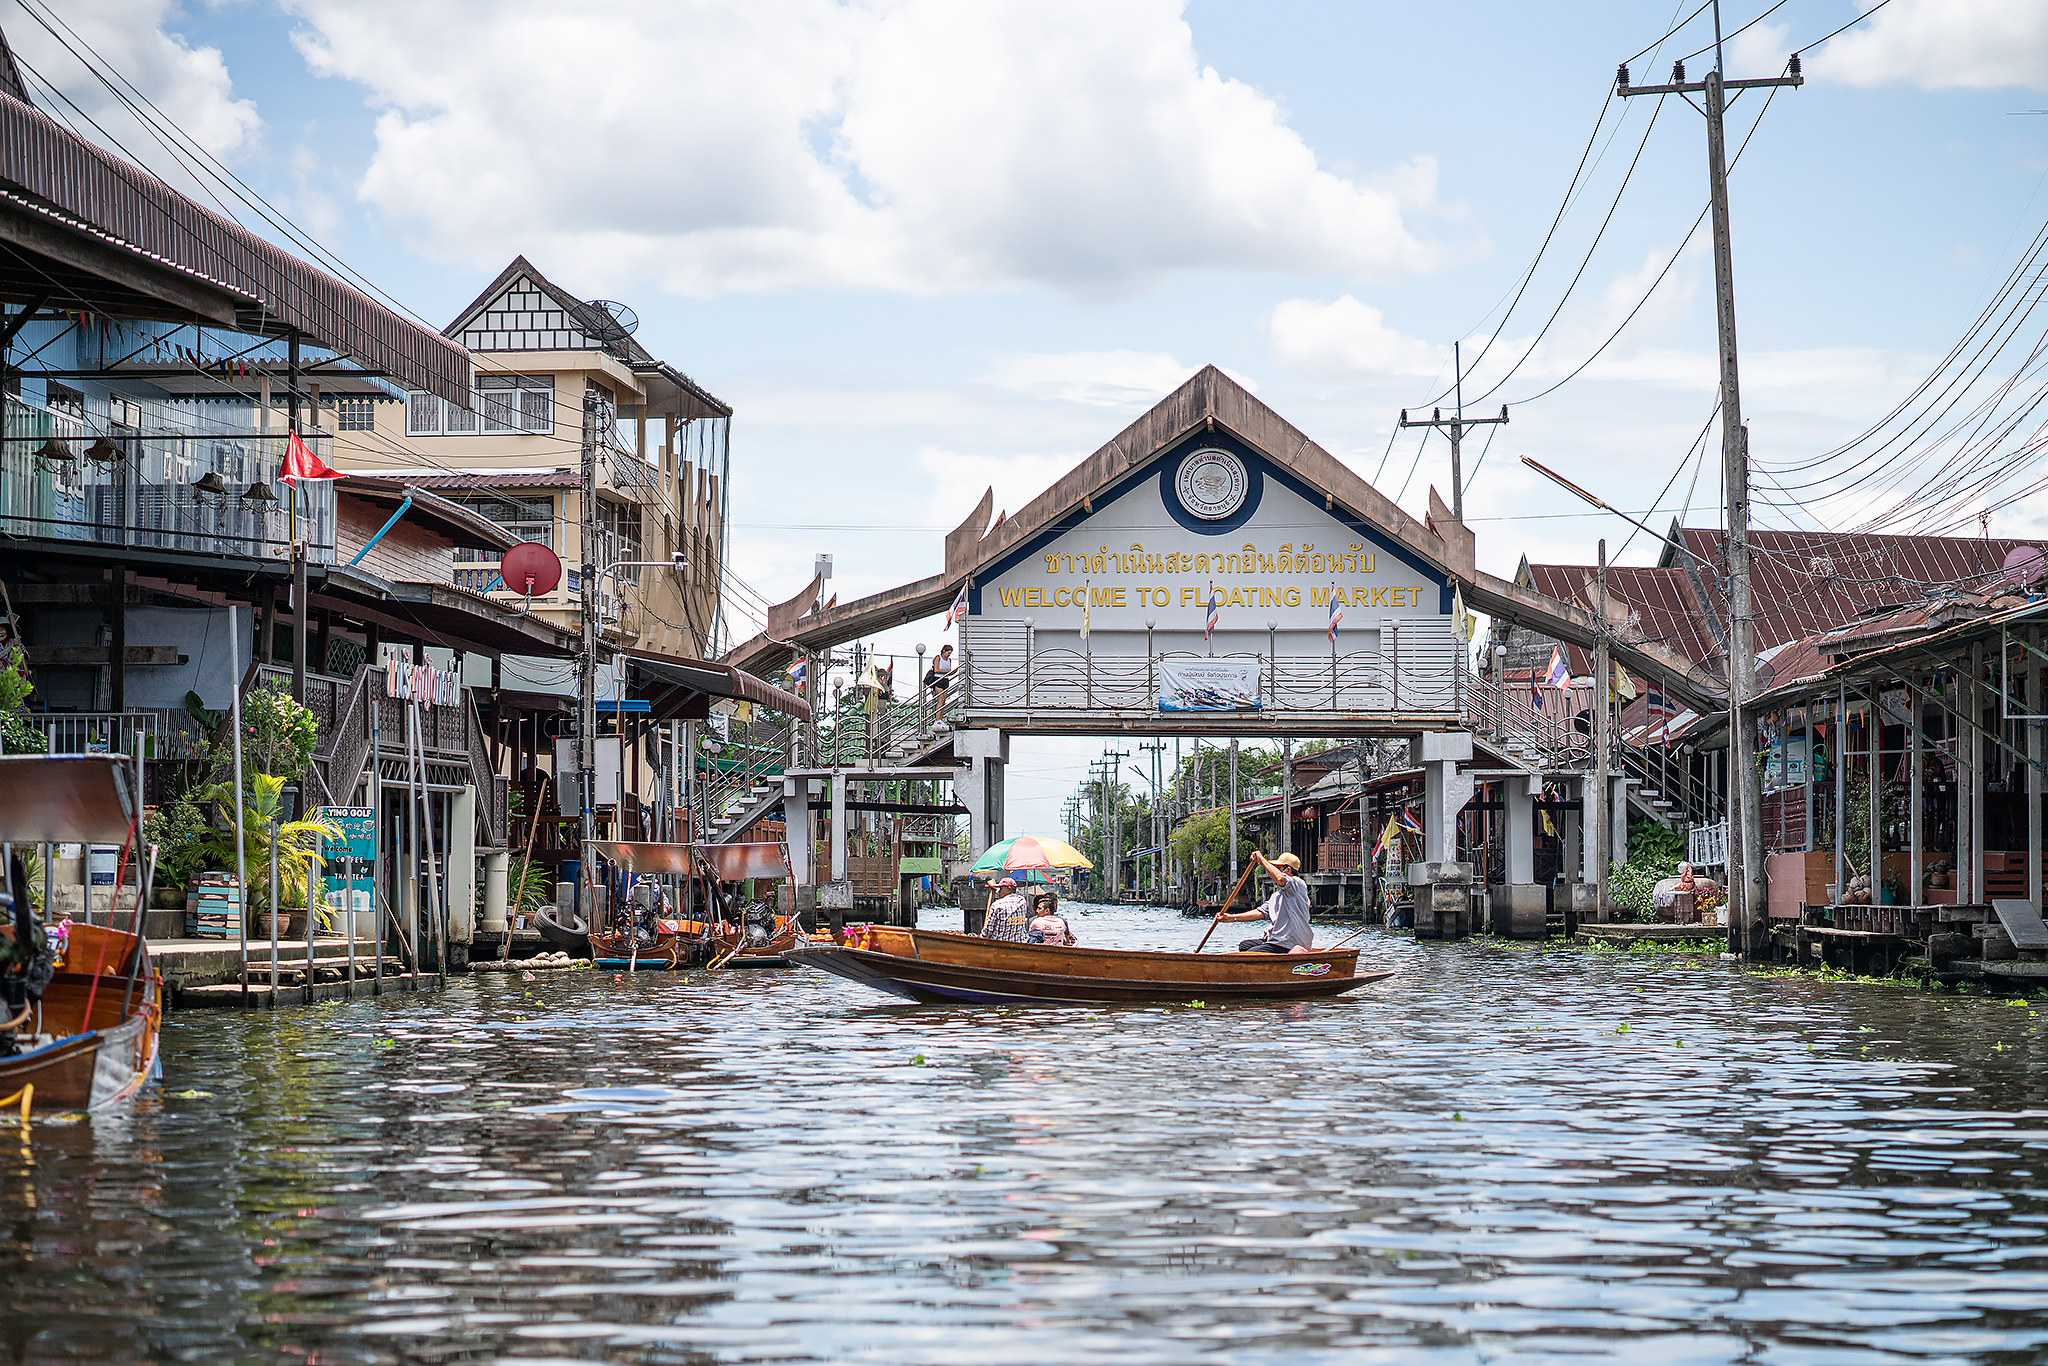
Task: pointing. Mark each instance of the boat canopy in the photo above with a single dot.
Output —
(73, 799)
(729, 862)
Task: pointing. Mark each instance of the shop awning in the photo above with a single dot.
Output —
(671, 683)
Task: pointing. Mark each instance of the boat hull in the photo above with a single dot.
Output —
(89, 1068)
(938, 968)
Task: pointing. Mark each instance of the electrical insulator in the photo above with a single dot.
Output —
(1795, 64)
(1621, 77)
(1678, 73)
(1438, 415)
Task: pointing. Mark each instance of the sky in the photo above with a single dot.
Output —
(926, 248)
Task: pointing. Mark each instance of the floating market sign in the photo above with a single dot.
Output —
(1212, 526)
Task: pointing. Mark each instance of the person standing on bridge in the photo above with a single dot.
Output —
(1285, 912)
(940, 677)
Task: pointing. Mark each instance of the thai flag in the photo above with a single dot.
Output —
(799, 671)
(1336, 614)
(1215, 603)
(958, 611)
(1658, 705)
(1409, 822)
(1559, 676)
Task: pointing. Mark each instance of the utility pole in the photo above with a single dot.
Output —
(1603, 683)
(586, 681)
(1745, 826)
(1233, 812)
(1112, 761)
(1456, 425)
(1286, 796)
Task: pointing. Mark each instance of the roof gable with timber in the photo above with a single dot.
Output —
(523, 310)
(1212, 410)
(1209, 409)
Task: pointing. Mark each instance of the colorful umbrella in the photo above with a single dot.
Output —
(1029, 851)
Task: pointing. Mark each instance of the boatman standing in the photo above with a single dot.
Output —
(1285, 912)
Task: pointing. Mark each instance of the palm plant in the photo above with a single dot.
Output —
(533, 887)
(295, 839)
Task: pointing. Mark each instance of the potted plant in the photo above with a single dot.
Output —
(293, 854)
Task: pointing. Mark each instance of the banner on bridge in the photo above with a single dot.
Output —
(1209, 685)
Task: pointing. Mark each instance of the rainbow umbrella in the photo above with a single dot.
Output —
(1021, 852)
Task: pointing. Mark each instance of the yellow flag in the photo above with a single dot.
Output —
(1084, 623)
(1461, 621)
(1624, 686)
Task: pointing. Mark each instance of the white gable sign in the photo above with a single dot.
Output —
(1212, 525)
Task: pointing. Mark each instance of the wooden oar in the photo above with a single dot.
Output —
(1232, 901)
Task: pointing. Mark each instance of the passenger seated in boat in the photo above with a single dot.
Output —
(1049, 926)
(1007, 914)
(1285, 912)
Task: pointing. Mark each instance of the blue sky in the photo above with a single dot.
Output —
(923, 248)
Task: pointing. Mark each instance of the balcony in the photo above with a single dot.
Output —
(64, 479)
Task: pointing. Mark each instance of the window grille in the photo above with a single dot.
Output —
(422, 415)
(356, 414)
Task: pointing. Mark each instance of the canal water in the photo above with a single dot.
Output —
(1541, 1153)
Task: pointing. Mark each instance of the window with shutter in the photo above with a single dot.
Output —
(422, 415)
(537, 409)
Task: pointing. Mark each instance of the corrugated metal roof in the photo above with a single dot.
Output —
(66, 185)
(1660, 603)
(1807, 581)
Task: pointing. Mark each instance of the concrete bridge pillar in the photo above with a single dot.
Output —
(1442, 883)
(798, 831)
(979, 784)
(1519, 795)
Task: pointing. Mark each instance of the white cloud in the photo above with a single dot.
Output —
(1345, 336)
(190, 85)
(911, 145)
(1942, 44)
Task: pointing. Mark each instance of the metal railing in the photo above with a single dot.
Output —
(1066, 679)
(144, 489)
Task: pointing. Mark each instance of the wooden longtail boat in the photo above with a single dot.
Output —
(937, 967)
(88, 1038)
(97, 1061)
(720, 936)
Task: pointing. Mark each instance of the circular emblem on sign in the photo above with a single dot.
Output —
(1211, 484)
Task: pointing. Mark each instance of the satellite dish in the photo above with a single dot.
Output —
(2023, 564)
(530, 569)
(614, 322)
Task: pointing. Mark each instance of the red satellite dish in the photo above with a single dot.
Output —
(2023, 564)
(530, 569)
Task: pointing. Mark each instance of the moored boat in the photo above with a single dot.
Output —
(79, 1030)
(939, 967)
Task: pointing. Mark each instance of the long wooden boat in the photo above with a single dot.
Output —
(677, 945)
(938, 967)
(88, 1038)
(737, 946)
(90, 1061)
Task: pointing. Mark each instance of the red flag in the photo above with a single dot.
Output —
(300, 463)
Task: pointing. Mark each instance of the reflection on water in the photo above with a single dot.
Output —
(1547, 1154)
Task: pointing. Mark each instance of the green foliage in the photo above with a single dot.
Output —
(14, 686)
(1203, 844)
(17, 736)
(295, 839)
(1629, 887)
(278, 735)
(532, 886)
(1892, 814)
(1652, 845)
(180, 832)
